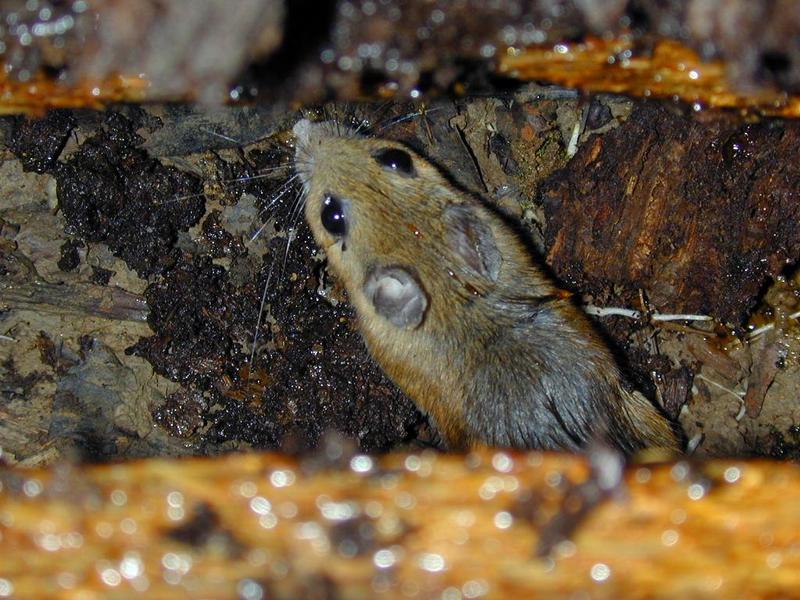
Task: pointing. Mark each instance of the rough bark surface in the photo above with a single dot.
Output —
(699, 215)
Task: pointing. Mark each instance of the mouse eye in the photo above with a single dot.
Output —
(332, 216)
(394, 159)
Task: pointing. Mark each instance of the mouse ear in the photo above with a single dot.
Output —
(396, 295)
(472, 240)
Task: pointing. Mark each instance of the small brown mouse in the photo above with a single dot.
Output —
(454, 308)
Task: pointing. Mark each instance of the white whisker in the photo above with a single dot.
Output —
(247, 178)
(179, 198)
(258, 320)
(257, 233)
(282, 191)
(289, 238)
(407, 117)
(220, 135)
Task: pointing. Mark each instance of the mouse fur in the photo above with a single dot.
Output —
(453, 306)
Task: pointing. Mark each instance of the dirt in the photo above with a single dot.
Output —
(248, 341)
(305, 373)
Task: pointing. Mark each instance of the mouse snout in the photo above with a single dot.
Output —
(302, 132)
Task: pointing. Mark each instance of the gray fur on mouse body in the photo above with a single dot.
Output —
(454, 308)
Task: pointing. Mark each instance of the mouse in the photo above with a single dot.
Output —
(455, 307)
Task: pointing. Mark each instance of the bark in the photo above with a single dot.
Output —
(698, 215)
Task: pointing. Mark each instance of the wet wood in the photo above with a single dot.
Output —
(668, 70)
(75, 299)
(416, 525)
(699, 213)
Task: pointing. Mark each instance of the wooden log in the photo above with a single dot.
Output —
(491, 524)
(113, 51)
(669, 70)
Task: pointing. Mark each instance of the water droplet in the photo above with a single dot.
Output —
(131, 566)
(566, 549)
(175, 499)
(339, 511)
(433, 563)
(490, 487)
(268, 521)
(774, 560)
(502, 462)
(669, 537)
(287, 510)
(111, 577)
(282, 478)
(412, 463)
(361, 463)
(65, 580)
(128, 526)
(327, 56)
(383, 559)
(678, 516)
(679, 471)
(503, 520)
(32, 488)
(250, 590)
(475, 588)
(600, 572)
(248, 489)
(732, 474)
(696, 491)
(451, 593)
(642, 475)
(119, 498)
(260, 505)
(405, 500)
(104, 529)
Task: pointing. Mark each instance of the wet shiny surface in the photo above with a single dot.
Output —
(419, 526)
(669, 70)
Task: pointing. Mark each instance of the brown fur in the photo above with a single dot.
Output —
(490, 359)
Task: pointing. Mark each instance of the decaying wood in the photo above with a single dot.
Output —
(110, 51)
(77, 299)
(679, 208)
(669, 70)
(407, 525)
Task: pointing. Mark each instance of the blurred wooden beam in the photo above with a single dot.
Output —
(668, 70)
(491, 524)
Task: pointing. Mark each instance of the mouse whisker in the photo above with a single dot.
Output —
(380, 112)
(294, 217)
(220, 135)
(258, 321)
(249, 177)
(297, 208)
(287, 185)
(180, 198)
(407, 117)
(264, 212)
(257, 233)
(290, 235)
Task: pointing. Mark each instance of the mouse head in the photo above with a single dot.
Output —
(406, 243)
